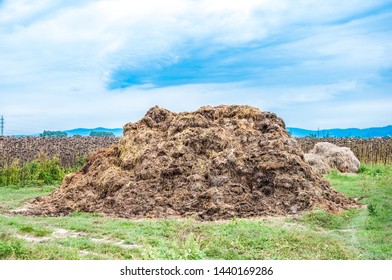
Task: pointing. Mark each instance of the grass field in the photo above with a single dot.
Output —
(364, 233)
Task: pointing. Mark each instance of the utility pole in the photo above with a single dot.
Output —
(2, 125)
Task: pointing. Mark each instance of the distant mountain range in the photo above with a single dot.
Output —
(87, 131)
(341, 133)
(295, 132)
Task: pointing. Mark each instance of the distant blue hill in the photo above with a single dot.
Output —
(341, 133)
(87, 131)
(371, 132)
(295, 132)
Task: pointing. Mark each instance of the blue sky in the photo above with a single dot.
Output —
(68, 64)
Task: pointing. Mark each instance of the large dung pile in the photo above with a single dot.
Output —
(214, 163)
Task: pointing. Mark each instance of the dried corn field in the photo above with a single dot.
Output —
(70, 150)
(370, 151)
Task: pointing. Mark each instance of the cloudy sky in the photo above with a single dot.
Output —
(85, 63)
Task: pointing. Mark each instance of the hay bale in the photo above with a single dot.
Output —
(326, 156)
(214, 163)
(318, 163)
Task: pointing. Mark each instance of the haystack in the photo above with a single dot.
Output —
(318, 163)
(327, 156)
(214, 163)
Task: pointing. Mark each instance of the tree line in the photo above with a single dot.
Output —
(49, 133)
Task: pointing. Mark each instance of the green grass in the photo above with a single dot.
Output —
(371, 227)
(355, 234)
(171, 239)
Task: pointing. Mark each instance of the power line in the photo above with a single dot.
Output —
(2, 125)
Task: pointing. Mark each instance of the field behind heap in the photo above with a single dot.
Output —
(70, 150)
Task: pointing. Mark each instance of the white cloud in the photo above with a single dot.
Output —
(57, 56)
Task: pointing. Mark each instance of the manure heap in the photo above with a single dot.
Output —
(214, 163)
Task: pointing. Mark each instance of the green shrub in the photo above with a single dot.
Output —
(372, 210)
(42, 171)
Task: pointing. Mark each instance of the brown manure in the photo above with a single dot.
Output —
(214, 163)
